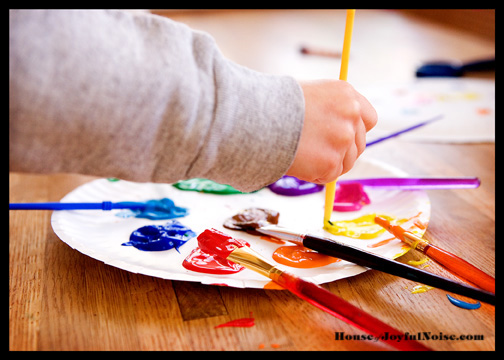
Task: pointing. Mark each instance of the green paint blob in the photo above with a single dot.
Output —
(206, 186)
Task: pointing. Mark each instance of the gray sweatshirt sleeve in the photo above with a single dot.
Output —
(143, 98)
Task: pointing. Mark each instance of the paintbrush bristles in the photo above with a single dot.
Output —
(248, 258)
(414, 241)
(217, 243)
(407, 237)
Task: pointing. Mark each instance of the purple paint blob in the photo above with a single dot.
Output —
(292, 186)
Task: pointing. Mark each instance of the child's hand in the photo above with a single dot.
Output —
(334, 132)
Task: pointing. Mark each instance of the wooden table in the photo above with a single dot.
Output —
(60, 299)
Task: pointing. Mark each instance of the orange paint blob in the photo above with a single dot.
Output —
(301, 257)
(483, 111)
(273, 286)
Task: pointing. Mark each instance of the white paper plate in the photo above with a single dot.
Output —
(99, 234)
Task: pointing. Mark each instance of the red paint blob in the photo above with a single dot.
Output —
(243, 322)
(214, 242)
(202, 262)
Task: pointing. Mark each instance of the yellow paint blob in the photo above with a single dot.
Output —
(404, 249)
(421, 289)
(363, 227)
(418, 262)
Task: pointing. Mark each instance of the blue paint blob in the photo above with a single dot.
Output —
(162, 209)
(463, 304)
(160, 237)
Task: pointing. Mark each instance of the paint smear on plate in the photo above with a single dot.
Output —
(272, 239)
(418, 262)
(363, 227)
(381, 243)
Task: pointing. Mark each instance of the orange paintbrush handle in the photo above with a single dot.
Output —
(460, 267)
(450, 261)
(336, 306)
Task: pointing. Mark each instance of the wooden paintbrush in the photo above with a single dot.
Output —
(452, 262)
(219, 244)
(263, 221)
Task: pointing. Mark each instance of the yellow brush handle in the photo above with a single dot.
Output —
(345, 54)
(330, 188)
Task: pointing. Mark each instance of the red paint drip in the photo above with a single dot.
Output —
(243, 322)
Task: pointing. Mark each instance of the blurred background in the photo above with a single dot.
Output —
(387, 45)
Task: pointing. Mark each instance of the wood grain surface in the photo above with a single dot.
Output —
(60, 299)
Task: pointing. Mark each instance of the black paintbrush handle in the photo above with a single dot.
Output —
(373, 261)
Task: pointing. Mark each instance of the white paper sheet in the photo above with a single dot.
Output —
(467, 107)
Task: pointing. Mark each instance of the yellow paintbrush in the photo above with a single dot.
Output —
(330, 188)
